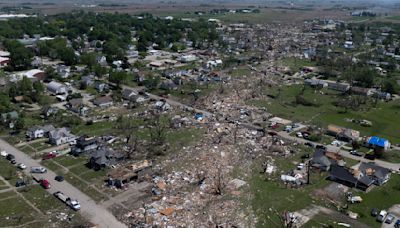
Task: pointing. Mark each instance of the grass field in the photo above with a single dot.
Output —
(8, 171)
(295, 64)
(17, 210)
(95, 129)
(394, 18)
(381, 198)
(272, 198)
(323, 112)
(41, 199)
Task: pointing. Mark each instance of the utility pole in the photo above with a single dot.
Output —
(308, 171)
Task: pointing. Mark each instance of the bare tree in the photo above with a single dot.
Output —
(128, 128)
(219, 182)
(157, 126)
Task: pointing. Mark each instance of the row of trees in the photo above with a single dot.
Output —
(112, 31)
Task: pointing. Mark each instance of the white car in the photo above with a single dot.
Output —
(3, 153)
(21, 166)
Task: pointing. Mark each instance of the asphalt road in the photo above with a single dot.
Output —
(89, 209)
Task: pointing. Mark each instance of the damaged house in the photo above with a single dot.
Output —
(363, 178)
(104, 157)
(132, 172)
(84, 145)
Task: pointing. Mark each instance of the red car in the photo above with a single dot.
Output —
(49, 156)
(45, 183)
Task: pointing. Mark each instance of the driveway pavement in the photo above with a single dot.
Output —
(89, 209)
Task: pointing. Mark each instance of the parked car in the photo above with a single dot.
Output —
(74, 204)
(389, 219)
(305, 156)
(10, 157)
(381, 216)
(356, 153)
(59, 178)
(20, 183)
(38, 169)
(370, 156)
(49, 156)
(3, 153)
(45, 183)
(21, 166)
(374, 212)
(322, 147)
(300, 166)
(309, 144)
(299, 135)
(397, 224)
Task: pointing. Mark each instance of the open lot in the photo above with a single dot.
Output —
(272, 197)
(323, 112)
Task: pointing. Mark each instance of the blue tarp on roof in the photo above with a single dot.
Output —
(377, 141)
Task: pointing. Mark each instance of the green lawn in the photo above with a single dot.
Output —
(90, 191)
(52, 166)
(8, 171)
(68, 160)
(272, 198)
(41, 198)
(394, 18)
(18, 211)
(39, 146)
(381, 198)
(95, 129)
(391, 156)
(7, 194)
(321, 220)
(295, 64)
(27, 150)
(323, 112)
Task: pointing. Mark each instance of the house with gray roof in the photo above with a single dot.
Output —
(379, 175)
(36, 132)
(61, 136)
(56, 88)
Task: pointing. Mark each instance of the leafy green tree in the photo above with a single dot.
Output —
(21, 57)
(118, 77)
(25, 86)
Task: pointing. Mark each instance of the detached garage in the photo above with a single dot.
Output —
(56, 88)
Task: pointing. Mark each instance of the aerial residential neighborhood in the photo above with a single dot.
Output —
(199, 113)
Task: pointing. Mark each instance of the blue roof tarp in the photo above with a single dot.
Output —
(377, 141)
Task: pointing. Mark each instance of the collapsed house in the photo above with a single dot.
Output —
(342, 133)
(136, 171)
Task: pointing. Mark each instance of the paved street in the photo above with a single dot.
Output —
(94, 212)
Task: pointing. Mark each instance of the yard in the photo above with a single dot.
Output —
(380, 197)
(16, 210)
(322, 112)
(78, 174)
(271, 197)
(295, 64)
